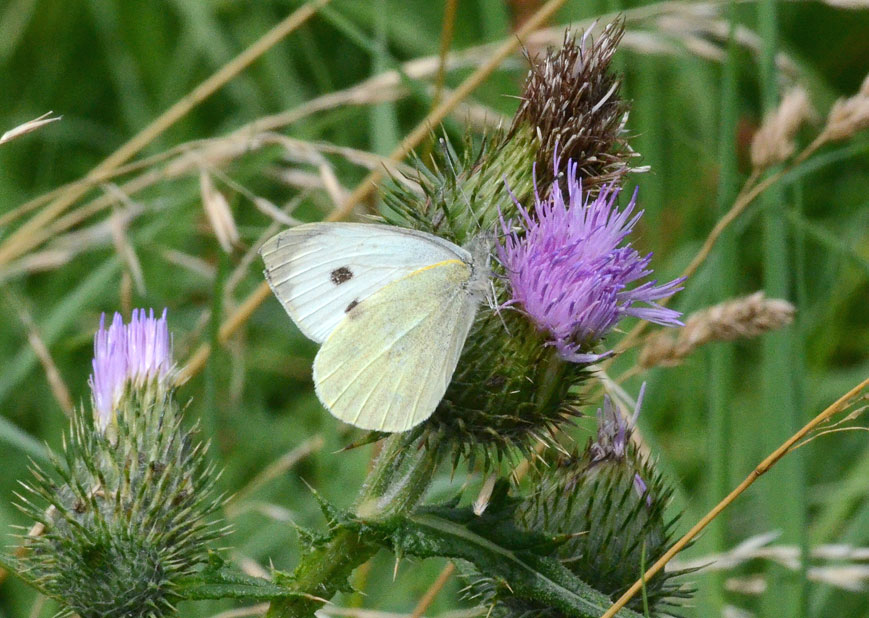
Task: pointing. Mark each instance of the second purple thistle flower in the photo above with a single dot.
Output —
(128, 354)
(570, 275)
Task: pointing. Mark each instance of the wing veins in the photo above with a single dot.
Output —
(383, 351)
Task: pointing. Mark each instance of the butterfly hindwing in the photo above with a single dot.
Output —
(388, 364)
(320, 271)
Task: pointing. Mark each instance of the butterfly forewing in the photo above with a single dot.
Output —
(320, 271)
(388, 364)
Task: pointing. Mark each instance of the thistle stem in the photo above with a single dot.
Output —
(322, 572)
(400, 477)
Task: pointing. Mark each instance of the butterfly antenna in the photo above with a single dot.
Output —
(494, 306)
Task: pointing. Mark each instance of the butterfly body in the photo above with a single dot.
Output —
(392, 308)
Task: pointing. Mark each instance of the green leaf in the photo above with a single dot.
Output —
(523, 559)
(219, 581)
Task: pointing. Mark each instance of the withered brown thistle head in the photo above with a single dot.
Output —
(571, 101)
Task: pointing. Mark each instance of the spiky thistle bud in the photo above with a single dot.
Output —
(609, 502)
(124, 514)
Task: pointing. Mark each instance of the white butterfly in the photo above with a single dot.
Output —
(392, 307)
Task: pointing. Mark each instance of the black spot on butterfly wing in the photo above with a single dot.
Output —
(341, 275)
(351, 305)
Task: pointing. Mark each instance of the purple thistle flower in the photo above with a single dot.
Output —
(614, 435)
(133, 354)
(570, 275)
(613, 430)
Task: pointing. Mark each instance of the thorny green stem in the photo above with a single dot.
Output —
(322, 572)
(400, 477)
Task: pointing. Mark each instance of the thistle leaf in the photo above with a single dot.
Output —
(523, 560)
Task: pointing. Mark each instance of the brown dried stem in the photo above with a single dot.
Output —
(749, 192)
(383, 87)
(415, 137)
(33, 232)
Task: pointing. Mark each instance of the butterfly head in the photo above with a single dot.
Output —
(480, 247)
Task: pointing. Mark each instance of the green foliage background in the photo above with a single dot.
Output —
(110, 67)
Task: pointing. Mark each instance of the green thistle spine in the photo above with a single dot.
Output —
(129, 514)
(613, 510)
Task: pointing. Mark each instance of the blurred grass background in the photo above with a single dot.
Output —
(111, 67)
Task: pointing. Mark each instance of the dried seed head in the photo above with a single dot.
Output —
(741, 318)
(848, 116)
(774, 141)
(219, 213)
(28, 127)
(571, 101)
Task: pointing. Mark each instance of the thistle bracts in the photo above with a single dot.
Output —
(125, 512)
(608, 504)
(464, 192)
(613, 502)
(509, 392)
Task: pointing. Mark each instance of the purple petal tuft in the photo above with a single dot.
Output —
(135, 353)
(569, 273)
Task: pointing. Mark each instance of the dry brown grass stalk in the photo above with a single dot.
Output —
(123, 247)
(272, 471)
(191, 263)
(187, 159)
(252, 254)
(387, 86)
(750, 191)
(740, 318)
(52, 374)
(364, 189)
(854, 113)
(26, 237)
(431, 593)
(773, 143)
(64, 247)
